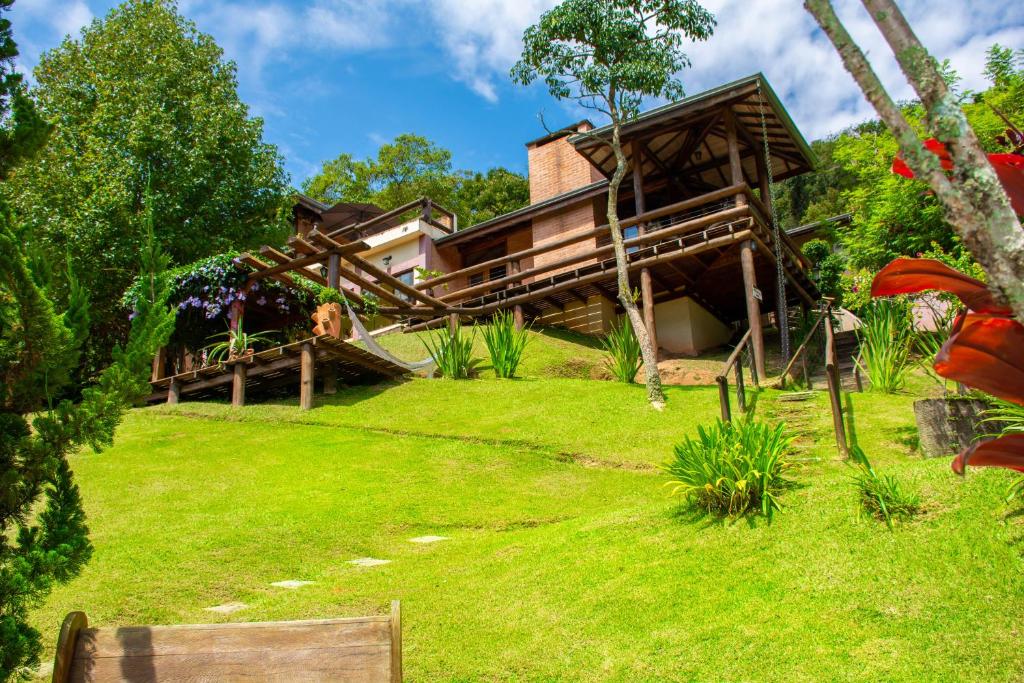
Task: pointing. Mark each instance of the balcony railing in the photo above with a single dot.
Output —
(664, 230)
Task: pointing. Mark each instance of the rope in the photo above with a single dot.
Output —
(780, 274)
(376, 349)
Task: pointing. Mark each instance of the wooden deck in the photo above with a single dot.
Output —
(276, 367)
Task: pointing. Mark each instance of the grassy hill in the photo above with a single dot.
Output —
(565, 558)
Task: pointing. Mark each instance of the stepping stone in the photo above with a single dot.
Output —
(291, 583)
(428, 539)
(368, 562)
(226, 608)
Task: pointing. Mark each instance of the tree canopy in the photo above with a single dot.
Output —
(142, 97)
(893, 216)
(411, 167)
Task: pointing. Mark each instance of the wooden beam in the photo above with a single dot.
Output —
(385, 277)
(238, 384)
(173, 392)
(753, 304)
(306, 376)
(735, 163)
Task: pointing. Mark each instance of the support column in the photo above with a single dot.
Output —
(173, 393)
(753, 305)
(518, 316)
(735, 163)
(334, 272)
(646, 284)
(158, 364)
(334, 282)
(240, 370)
(306, 366)
(453, 323)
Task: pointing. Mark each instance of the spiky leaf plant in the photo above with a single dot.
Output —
(505, 344)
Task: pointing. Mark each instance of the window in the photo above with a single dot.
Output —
(408, 277)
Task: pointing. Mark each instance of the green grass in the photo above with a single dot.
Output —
(567, 561)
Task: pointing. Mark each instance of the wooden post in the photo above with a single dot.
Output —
(158, 364)
(238, 384)
(834, 389)
(334, 272)
(753, 305)
(453, 323)
(735, 162)
(173, 393)
(753, 371)
(723, 397)
(518, 316)
(856, 376)
(646, 284)
(741, 393)
(307, 367)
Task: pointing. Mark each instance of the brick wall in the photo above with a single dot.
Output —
(556, 167)
(570, 220)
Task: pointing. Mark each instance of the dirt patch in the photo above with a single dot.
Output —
(683, 372)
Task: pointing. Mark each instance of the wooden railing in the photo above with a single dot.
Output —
(835, 386)
(734, 364)
(802, 350)
(428, 209)
(515, 274)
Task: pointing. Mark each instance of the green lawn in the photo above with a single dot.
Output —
(565, 561)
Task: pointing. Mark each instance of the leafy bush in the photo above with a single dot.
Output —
(1010, 418)
(881, 496)
(452, 351)
(886, 338)
(624, 349)
(731, 469)
(505, 344)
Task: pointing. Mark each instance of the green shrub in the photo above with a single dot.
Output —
(731, 469)
(881, 496)
(1010, 418)
(624, 349)
(452, 351)
(886, 338)
(505, 344)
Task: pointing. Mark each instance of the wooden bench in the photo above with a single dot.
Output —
(359, 649)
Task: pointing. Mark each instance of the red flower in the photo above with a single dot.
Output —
(985, 350)
(1008, 167)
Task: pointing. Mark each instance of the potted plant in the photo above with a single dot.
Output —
(235, 344)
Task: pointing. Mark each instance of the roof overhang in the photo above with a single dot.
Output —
(687, 136)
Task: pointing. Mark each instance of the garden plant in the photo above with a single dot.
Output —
(505, 344)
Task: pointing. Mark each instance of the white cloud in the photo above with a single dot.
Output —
(483, 38)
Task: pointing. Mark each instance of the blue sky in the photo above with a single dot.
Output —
(332, 76)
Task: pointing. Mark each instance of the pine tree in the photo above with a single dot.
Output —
(43, 533)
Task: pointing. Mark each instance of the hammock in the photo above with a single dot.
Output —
(376, 349)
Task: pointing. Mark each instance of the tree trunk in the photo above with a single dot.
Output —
(974, 200)
(652, 379)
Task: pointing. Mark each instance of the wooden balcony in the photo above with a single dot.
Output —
(690, 248)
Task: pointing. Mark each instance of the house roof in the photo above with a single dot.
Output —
(526, 213)
(561, 132)
(811, 228)
(311, 204)
(663, 131)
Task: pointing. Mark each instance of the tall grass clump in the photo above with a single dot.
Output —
(731, 468)
(624, 351)
(452, 350)
(886, 338)
(881, 496)
(1010, 419)
(505, 344)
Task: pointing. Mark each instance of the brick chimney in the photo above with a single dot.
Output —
(555, 165)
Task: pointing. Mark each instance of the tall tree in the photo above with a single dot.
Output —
(411, 167)
(43, 535)
(143, 94)
(971, 193)
(607, 55)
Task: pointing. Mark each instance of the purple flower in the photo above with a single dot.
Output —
(262, 301)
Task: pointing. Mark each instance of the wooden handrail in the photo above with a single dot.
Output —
(645, 217)
(734, 355)
(640, 240)
(800, 349)
(381, 218)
